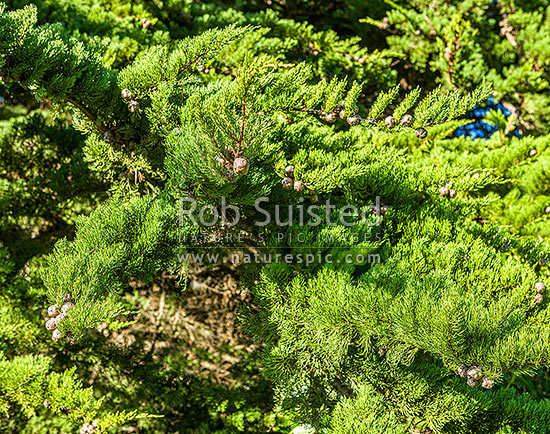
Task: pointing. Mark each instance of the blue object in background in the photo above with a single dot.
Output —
(480, 129)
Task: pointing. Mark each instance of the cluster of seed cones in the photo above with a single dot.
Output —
(354, 119)
(57, 315)
(288, 181)
(145, 23)
(446, 191)
(541, 292)
(474, 376)
(104, 328)
(89, 428)
(133, 105)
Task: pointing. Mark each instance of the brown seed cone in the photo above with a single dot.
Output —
(53, 310)
(241, 166)
(474, 372)
(354, 120)
(287, 183)
(421, 133)
(51, 324)
(390, 122)
(487, 383)
(103, 326)
(329, 117)
(56, 335)
(540, 287)
(406, 120)
(133, 106)
(289, 171)
(473, 382)
(299, 186)
(87, 428)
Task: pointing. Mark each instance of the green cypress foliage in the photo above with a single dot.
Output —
(429, 315)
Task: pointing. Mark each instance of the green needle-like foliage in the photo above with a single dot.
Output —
(116, 117)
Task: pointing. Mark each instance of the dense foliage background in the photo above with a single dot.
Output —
(88, 194)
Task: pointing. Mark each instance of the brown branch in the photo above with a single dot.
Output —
(204, 53)
(244, 113)
(231, 136)
(182, 69)
(242, 122)
(507, 31)
(89, 114)
(433, 32)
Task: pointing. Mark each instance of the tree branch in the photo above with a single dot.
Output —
(90, 115)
